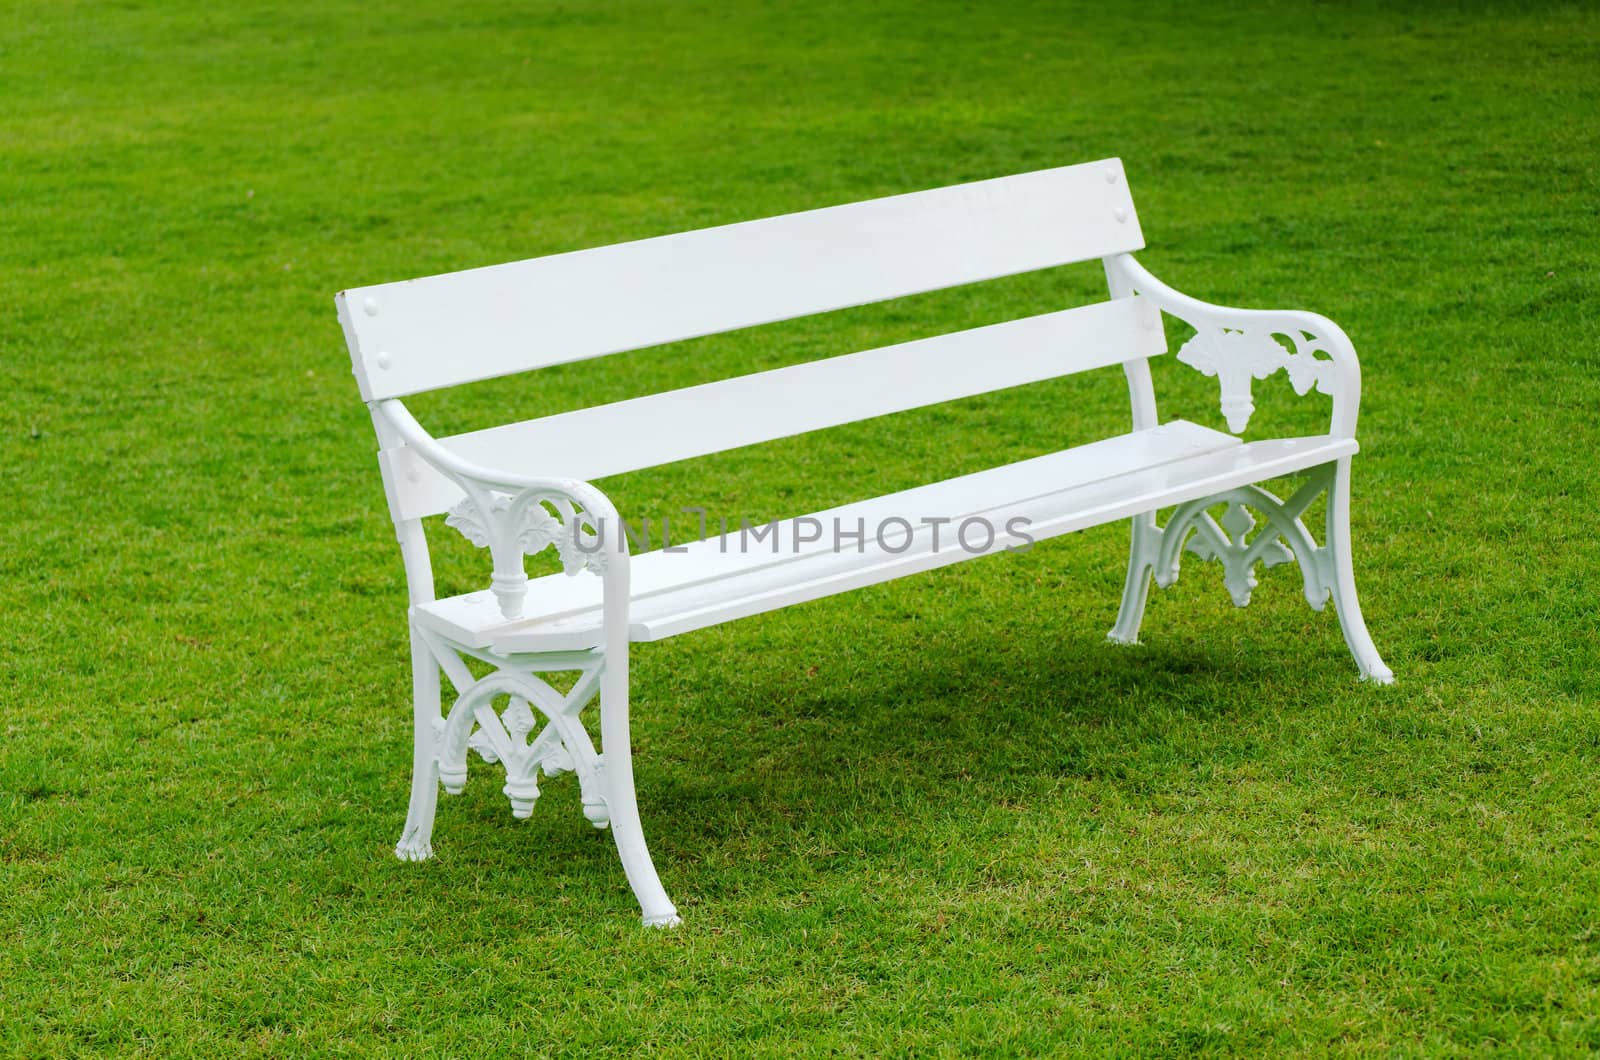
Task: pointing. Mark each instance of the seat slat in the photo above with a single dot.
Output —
(439, 331)
(730, 413)
(1086, 486)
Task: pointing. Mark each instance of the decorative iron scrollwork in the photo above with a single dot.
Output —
(535, 521)
(1239, 543)
(1236, 356)
(561, 745)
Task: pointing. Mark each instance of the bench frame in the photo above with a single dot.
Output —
(515, 511)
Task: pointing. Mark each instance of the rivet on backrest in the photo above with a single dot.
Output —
(371, 307)
(1120, 214)
(383, 360)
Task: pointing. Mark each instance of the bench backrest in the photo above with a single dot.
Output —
(440, 331)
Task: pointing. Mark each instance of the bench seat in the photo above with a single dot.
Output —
(704, 585)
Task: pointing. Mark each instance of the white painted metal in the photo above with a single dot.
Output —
(520, 489)
(1343, 586)
(574, 504)
(1238, 345)
(439, 331)
(731, 413)
(1142, 404)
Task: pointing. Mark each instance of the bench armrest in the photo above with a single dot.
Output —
(1238, 345)
(517, 515)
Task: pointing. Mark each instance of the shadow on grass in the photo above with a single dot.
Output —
(747, 761)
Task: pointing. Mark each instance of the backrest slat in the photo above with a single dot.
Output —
(678, 424)
(439, 331)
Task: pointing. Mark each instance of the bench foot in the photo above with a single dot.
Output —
(1237, 542)
(662, 920)
(626, 829)
(411, 849)
(1136, 589)
(416, 841)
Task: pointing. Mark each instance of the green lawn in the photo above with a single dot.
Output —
(939, 816)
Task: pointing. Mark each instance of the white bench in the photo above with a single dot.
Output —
(521, 488)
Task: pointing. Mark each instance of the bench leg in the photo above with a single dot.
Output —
(1345, 603)
(1240, 544)
(1146, 538)
(562, 745)
(416, 842)
(621, 801)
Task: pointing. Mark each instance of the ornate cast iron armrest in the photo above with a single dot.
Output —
(1238, 345)
(518, 515)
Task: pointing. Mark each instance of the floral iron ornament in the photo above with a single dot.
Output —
(1235, 357)
(528, 520)
(511, 526)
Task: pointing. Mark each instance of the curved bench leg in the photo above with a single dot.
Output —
(626, 828)
(416, 842)
(1345, 603)
(1136, 588)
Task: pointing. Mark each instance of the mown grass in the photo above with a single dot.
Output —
(939, 816)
